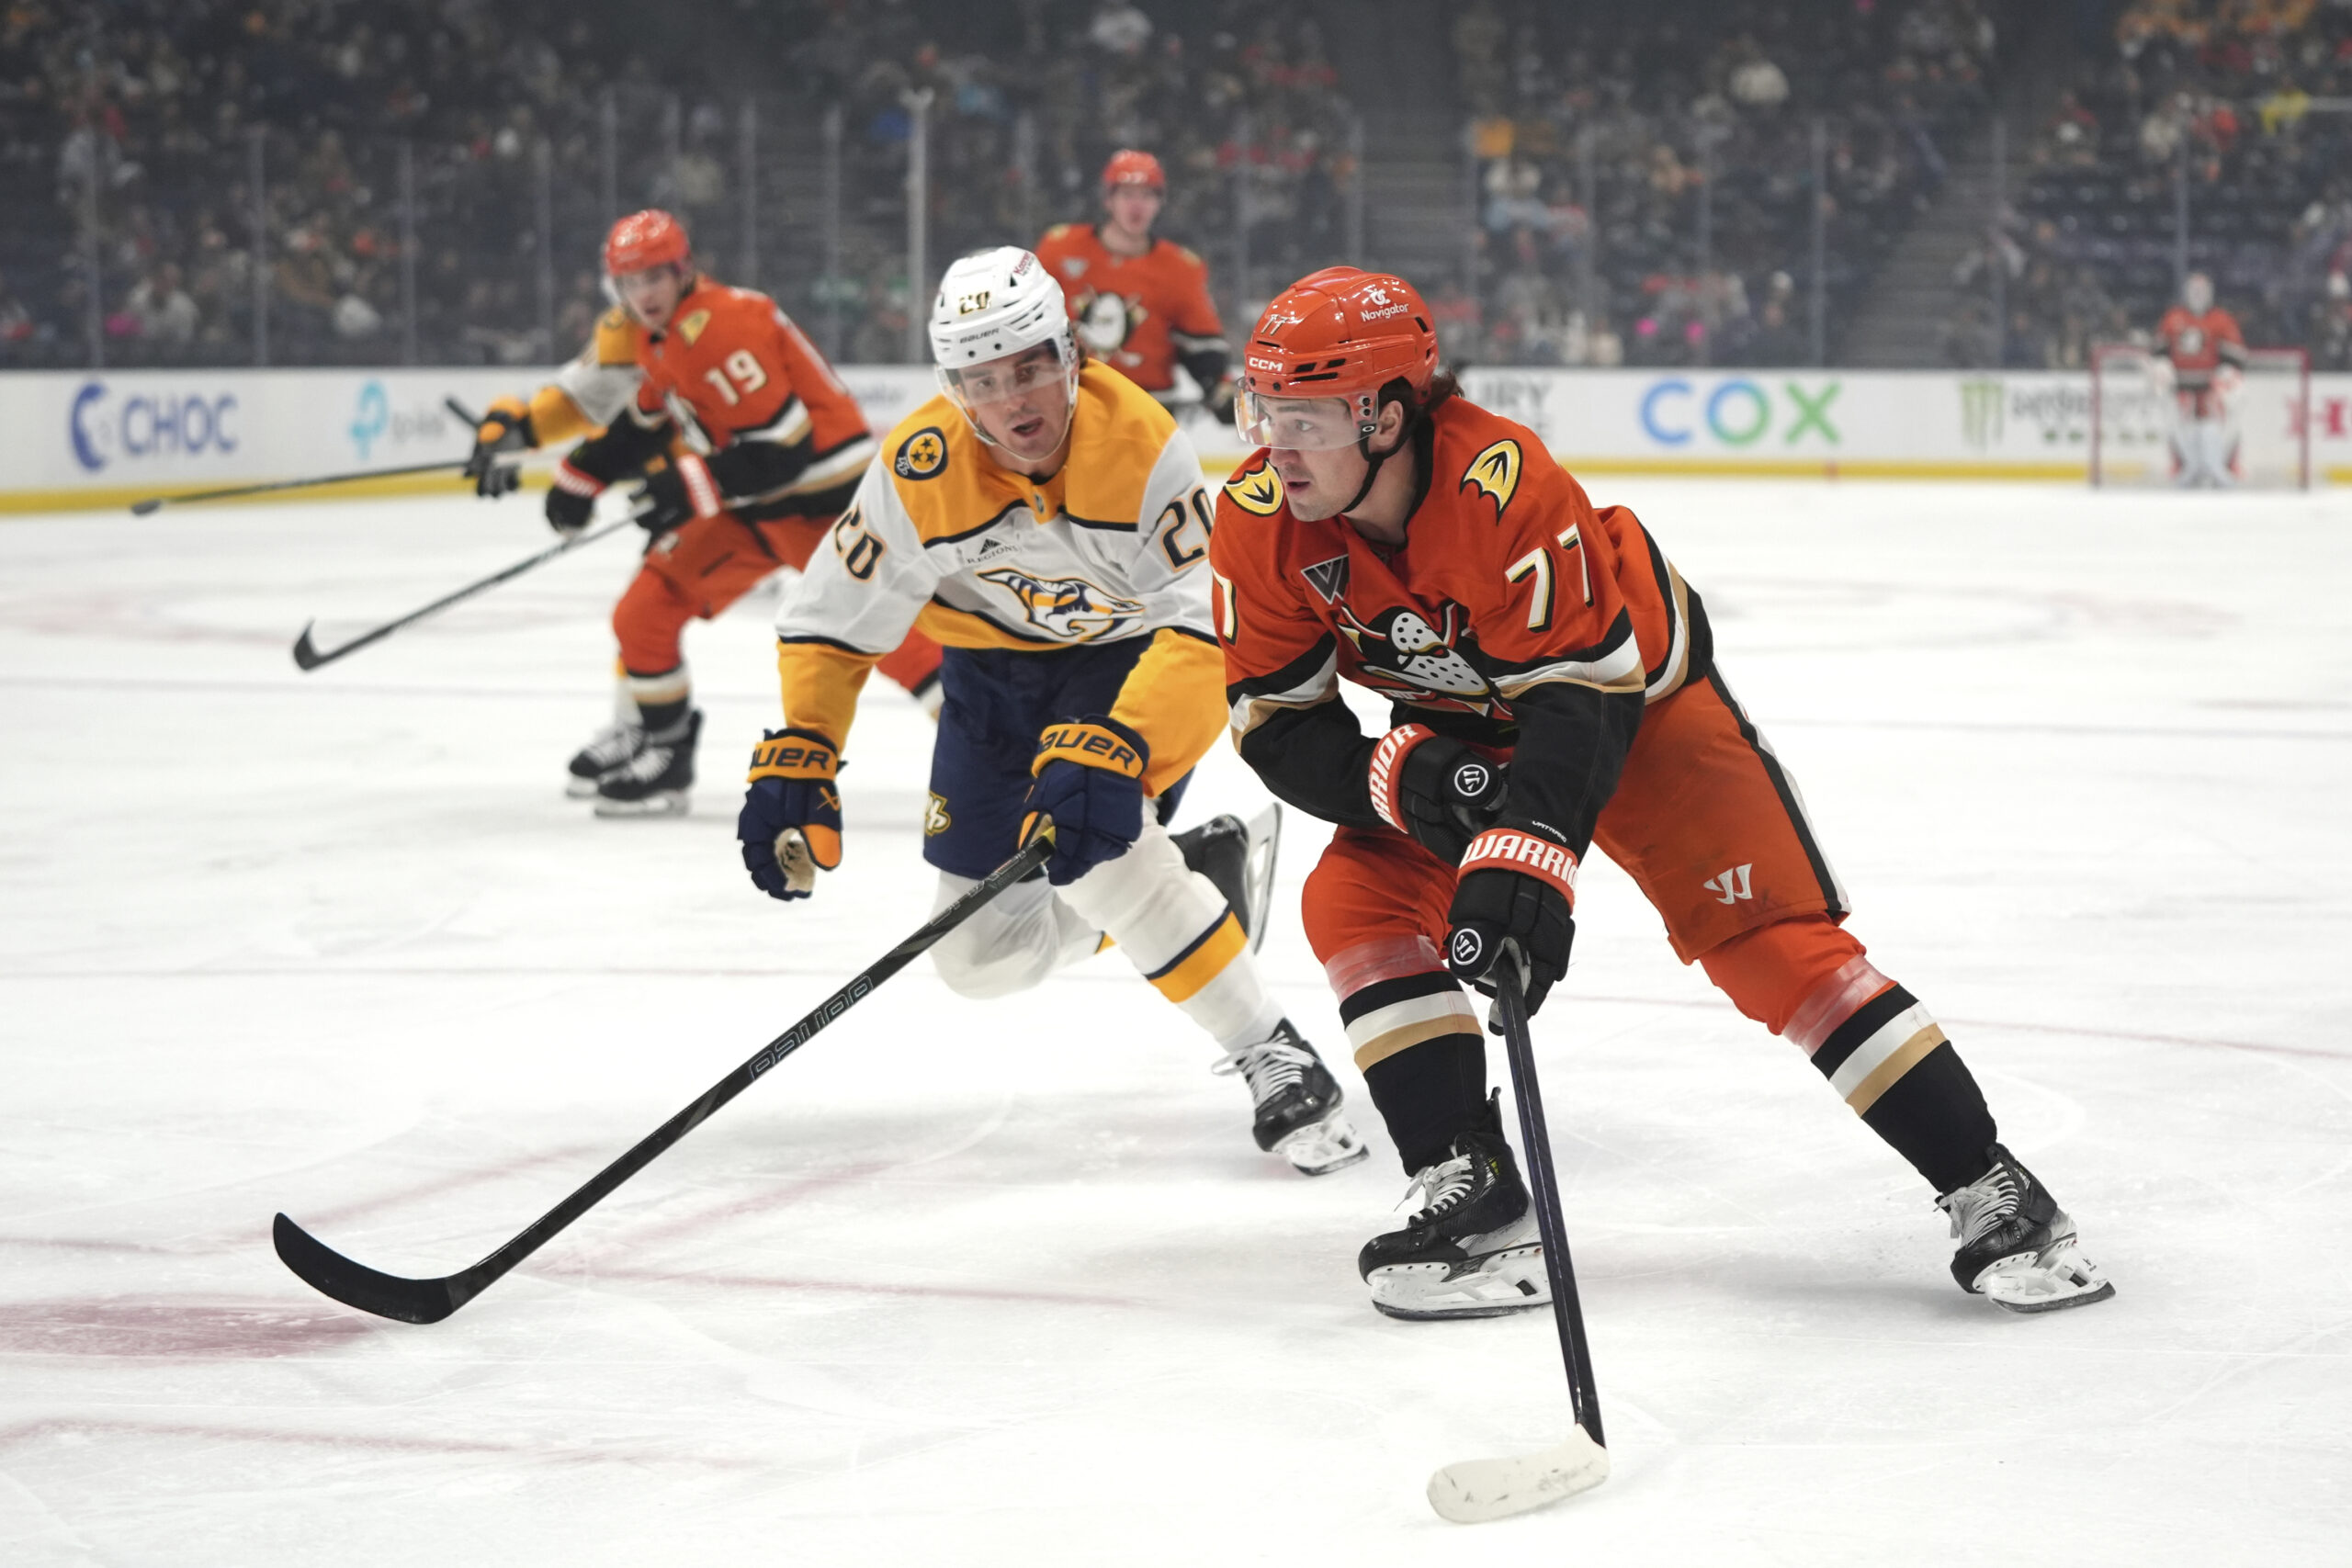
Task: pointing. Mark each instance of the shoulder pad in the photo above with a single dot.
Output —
(1190, 257)
(1059, 231)
(615, 341)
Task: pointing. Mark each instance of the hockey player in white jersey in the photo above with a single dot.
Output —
(1045, 520)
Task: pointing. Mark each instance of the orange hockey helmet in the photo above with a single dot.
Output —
(1129, 167)
(1335, 336)
(643, 240)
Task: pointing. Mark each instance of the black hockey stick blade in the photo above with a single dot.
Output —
(330, 1273)
(429, 1301)
(1478, 1490)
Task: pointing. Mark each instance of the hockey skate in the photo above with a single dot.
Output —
(1298, 1102)
(1238, 858)
(655, 782)
(1475, 1250)
(614, 745)
(2017, 1246)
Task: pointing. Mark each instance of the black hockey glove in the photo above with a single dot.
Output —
(571, 499)
(1518, 887)
(1219, 401)
(791, 791)
(676, 495)
(505, 427)
(1435, 788)
(1088, 777)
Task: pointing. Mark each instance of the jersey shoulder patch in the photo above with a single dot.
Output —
(1188, 256)
(1059, 232)
(1496, 470)
(922, 455)
(1257, 492)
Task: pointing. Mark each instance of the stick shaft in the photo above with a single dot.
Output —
(1544, 1190)
(310, 658)
(154, 501)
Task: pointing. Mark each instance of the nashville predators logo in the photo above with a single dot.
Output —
(1069, 609)
(692, 327)
(1496, 471)
(921, 454)
(1259, 491)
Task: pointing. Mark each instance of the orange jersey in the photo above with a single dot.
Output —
(2196, 344)
(1514, 606)
(742, 384)
(1140, 315)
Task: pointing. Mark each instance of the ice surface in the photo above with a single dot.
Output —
(970, 1283)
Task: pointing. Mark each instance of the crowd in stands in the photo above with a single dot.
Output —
(1601, 131)
(2218, 110)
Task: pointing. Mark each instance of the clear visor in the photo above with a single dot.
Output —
(618, 286)
(1015, 375)
(1295, 424)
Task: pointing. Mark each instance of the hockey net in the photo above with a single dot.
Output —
(2136, 418)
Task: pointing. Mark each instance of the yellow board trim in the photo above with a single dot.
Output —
(1205, 963)
(106, 498)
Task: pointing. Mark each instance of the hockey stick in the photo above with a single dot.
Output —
(307, 655)
(1481, 1489)
(429, 1301)
(154, 502)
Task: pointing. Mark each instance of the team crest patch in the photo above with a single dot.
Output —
(1328, 578)
(921, 455)
(1496, 471)
(692, 327)
(936, 819)
(1260, 491)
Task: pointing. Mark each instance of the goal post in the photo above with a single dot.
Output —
(2136, 417)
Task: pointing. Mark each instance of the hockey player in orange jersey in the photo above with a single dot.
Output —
(2203, 357)
(747, 447)
(1141, 304)
(1554, 688)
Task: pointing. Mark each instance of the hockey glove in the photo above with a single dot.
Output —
(1434, 788)
(791, 824)
(1220, 399)
(571, 499)
(1518, 887)
(1089, 778)
(676, 495)
(506, 427)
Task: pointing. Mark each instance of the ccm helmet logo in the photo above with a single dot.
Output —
(1273, 364)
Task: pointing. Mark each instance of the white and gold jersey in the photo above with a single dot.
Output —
(942, 537)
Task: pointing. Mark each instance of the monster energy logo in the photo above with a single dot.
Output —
(1982, 411)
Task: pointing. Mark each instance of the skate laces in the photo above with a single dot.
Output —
(1445, 1185)
(1268, 1067)
(614, 744)
(1983, 1203)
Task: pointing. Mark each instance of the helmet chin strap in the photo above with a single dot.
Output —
(1374, 459)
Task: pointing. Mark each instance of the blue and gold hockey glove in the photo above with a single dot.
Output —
(1088, 777)
(505, 427)
(1434, 788)
(791, 823)
(1518, 887)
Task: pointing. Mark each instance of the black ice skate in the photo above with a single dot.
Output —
(614, 745)
(1475, 1250)
(2017, 1246)
(655, 782)
(1298, 1104)
(1238, 858)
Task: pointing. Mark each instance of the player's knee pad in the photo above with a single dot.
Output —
(1777, 971)
(1123, 894)
(647, 621)
(1021, 936)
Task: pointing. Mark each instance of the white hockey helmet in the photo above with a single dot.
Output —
(991, 306)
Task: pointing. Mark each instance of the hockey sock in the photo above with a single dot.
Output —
(1417, 1042)
(662, 700)
(1889, 1059)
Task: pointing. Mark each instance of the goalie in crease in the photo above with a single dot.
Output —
(1045, 520)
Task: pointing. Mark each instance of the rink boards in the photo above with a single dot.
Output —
(108, 438)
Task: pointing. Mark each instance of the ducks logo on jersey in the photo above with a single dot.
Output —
(1404, 656)
(1069, 609)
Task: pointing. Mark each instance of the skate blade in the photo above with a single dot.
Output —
(1330, 1144)
(578, 788)
(1478, 1489)
(1265, 841)
(2059, 1277)
(1502, 1283)
(665, 803)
